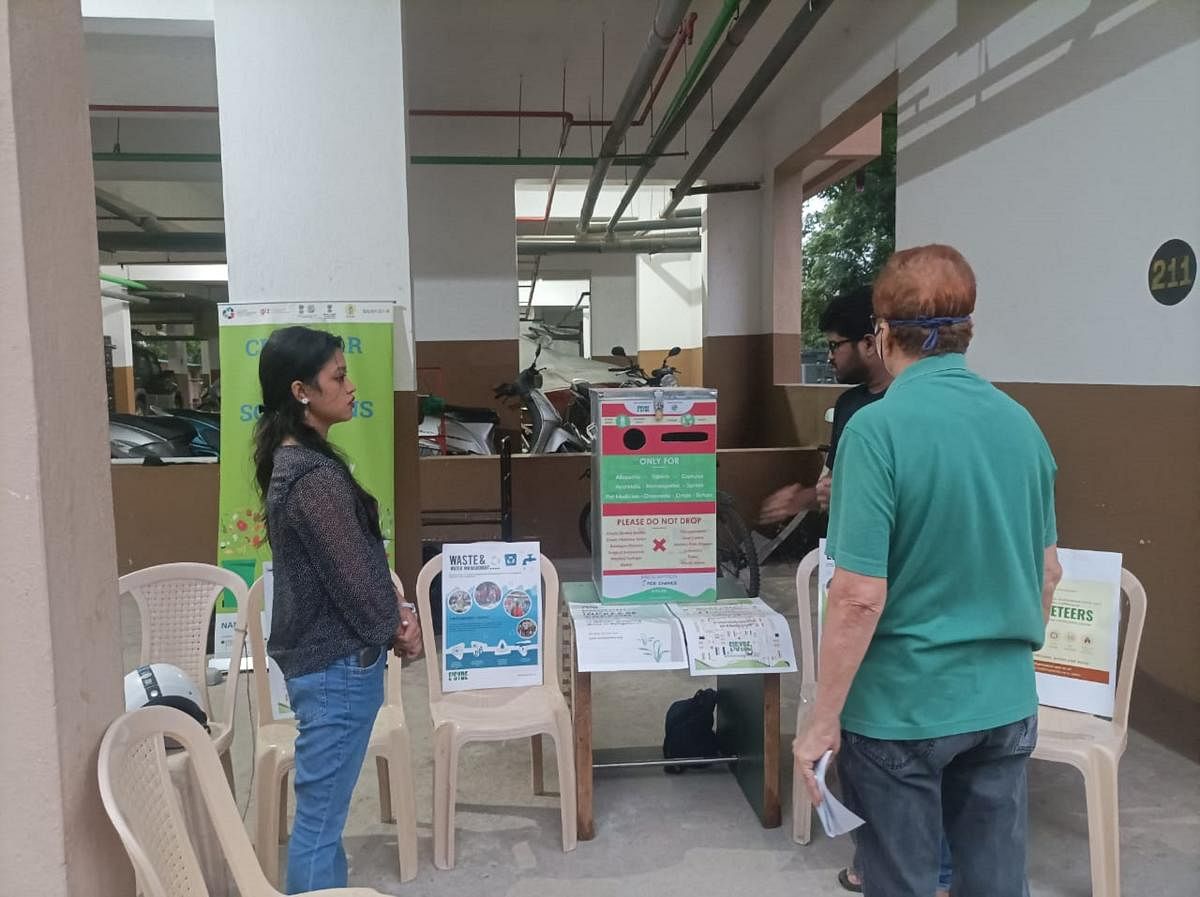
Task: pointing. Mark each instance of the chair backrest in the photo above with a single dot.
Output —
(1130, 645)
(261, 709)
(804, 605)
(176, 603)
(136, 788)
(549, 624)
(258, 652)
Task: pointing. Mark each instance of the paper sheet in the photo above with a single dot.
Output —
(835, 818)
(736, 636)
(627, 637)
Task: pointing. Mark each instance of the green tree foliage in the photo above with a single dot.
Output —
(847, 242)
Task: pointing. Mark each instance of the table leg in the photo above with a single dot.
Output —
(583, 757)
(748, 727)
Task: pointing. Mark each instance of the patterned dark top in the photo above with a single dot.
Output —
(332, 583)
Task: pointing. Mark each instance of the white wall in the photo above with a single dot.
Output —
(1054, 142)
(463, 250)
(733, 274)
(670, 300)
(1057, 159)
(117, 328)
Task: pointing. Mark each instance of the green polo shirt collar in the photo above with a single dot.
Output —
(935, 364)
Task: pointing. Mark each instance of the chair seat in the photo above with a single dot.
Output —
(1066, 736)
(280, 737)
(501, 713)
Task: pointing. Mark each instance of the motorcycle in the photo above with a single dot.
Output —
(446, 429)
(579, 406)
(545, 432)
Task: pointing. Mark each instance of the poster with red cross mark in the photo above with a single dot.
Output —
(655, 485)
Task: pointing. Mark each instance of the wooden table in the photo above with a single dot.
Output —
(747, 729)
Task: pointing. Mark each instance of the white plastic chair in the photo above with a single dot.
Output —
(801, 804)
(1094, 746)
(497, 714)
(135, 786)
(176, 603)
(275, 757)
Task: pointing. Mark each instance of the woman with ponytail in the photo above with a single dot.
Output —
(335, 611)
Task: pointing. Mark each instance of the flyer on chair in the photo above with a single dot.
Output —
(492, 615)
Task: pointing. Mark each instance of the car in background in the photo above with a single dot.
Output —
(208, 429)
(136, 436)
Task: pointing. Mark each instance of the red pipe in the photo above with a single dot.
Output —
(125, 107)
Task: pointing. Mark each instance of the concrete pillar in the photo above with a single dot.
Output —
(313, 157)
(60, 657)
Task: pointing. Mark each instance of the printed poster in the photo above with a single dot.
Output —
(492, 610)
(1077, 666)
(366, 329)
(655, 485)
(736, 636)
(610, 638)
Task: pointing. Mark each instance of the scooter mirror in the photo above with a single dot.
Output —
(619, 351)
(675, 350)
(545, 341)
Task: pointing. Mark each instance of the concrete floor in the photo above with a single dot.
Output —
(695, 835)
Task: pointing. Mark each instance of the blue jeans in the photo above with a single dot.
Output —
(336, 709)
(945, 863)
(971, 787)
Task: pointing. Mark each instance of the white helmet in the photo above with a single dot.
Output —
(167, 685)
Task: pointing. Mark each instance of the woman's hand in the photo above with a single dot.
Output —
(407, 643)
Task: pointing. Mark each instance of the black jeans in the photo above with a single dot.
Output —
(971, 786)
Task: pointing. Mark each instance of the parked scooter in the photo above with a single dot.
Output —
(456, 429)
(545, 431)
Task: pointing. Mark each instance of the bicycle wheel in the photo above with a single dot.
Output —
(736, 556)
(585, 527)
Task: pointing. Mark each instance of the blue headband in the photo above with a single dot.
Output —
(930, 324)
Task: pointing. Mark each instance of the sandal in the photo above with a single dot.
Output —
(845, 882)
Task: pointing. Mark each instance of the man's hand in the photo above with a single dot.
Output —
(786, 503)
(824, 489)
(809, 746)
(407, 643)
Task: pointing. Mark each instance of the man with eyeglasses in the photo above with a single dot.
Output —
(848, 329)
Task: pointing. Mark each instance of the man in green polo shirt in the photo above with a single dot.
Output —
(942, 529)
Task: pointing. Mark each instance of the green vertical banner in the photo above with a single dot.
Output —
(366, 440)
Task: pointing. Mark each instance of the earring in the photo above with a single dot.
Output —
(304, 401)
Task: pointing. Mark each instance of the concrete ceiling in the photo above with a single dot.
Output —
(458, 54)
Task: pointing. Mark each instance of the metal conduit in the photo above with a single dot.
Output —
(688, 242)
(793, 35)
(666, 24)
(733, 39)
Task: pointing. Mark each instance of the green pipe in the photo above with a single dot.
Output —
(575, 161)
(156, 157)
(724, 17)
(123, 282)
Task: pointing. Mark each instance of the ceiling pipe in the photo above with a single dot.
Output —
(666, 24)
(114, 293)
(662, 138)
(683, 36)
(724, 17)
(176, 241)
(567, 161)
(123, 282)
(677, 223)
(734, 187)
(127, 211)
(170, 110)
(793, 35)
(687, 242)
